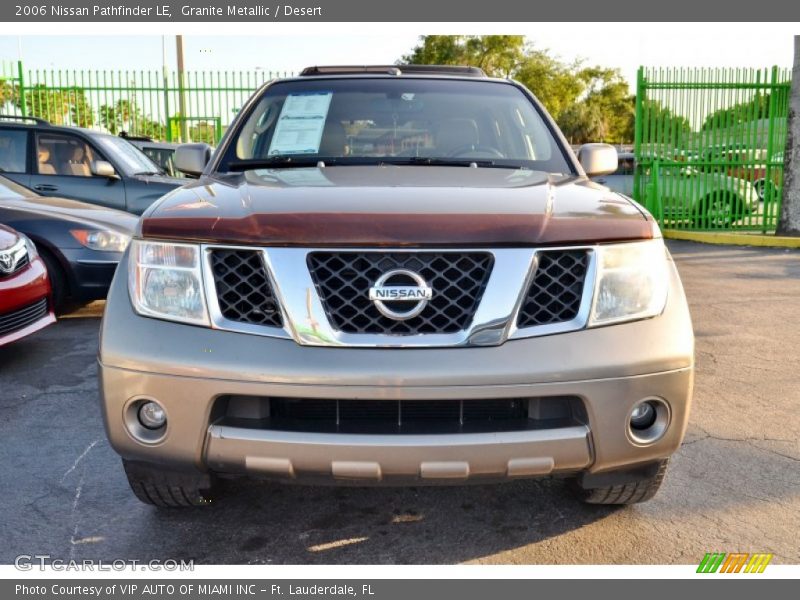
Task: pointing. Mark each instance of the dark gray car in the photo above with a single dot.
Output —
(70, 162)
(81, 244)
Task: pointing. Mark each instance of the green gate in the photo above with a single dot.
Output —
(163, 105)
(709, 146)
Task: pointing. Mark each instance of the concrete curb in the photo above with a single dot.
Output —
(733, 238)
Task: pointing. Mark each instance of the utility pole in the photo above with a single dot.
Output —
(181, 90)
(789, 221)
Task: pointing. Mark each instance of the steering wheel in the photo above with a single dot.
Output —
(475, 151)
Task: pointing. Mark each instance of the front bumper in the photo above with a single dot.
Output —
(188, 368)
(90, 272)
(23, 290)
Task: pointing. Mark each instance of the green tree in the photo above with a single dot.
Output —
(607, 95)
(67, 106)
(676, 129)
(8, 93)
(125, 115)
(497, 55)
(553, 82)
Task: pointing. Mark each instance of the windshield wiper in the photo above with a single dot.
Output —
(279, 162)
(430, 161)
(297, 162)
(150, 173)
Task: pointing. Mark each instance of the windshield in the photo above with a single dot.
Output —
(132, 160)
(382, 120)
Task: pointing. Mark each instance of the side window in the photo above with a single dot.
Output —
(63, 155)
(625, 167)
(13, 150)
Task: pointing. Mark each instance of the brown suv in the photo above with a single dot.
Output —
(395, 275)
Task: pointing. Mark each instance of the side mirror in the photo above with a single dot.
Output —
(103, 168)
(192, 158)
(598, 159)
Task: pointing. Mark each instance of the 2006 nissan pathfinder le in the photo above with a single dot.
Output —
(396, 275)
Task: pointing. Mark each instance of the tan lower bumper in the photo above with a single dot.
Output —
(381, 458)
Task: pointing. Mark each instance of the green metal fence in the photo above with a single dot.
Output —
(709, 146)
(192, 106)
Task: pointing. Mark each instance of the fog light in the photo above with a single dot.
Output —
(643, 416)
(152, 416)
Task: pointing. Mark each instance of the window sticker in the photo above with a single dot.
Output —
(300, 125)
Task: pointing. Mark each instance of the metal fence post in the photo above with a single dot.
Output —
(23, 105)
(637, 134)
(768, 188)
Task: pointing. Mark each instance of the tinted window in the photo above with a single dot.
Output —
(13, 150)
(384, 118)
(63, 155)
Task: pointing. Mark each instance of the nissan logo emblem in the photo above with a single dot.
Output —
(416, 295)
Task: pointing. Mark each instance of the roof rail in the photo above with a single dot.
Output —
(463, 71)
(135, 138)
(19, 118)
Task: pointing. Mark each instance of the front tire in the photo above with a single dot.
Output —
(58, 280)
(632, 492)
(165, 488)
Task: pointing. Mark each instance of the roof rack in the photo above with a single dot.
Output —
(19, 118)
(135, 138)
(463, 71)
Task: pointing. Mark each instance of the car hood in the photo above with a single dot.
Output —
(8, 237)
(161, 180)
(394, 206)
(74, 210)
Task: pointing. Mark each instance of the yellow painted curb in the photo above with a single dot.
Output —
(733, 239)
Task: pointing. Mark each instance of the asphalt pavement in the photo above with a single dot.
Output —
(734, 486)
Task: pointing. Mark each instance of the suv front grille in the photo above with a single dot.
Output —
(244, 291)
(343, 280)
(22, 317)
(555, 293)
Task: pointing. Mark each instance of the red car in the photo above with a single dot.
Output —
(25, 298)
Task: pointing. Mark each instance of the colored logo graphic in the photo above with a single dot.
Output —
(720, 562)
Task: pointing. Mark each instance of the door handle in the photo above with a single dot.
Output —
(45, 187)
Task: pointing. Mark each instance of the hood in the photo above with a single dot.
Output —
(80, 212)
(394, 206)
(8, 237)
(161, 180)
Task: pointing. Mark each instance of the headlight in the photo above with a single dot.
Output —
(102, 240)
(166, 282)
(632, 281)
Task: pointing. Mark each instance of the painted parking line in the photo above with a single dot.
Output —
(93, 310)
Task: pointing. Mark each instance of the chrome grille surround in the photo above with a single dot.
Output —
(305, 320)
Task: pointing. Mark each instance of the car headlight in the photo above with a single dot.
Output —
(103, 240)
(165, 281)
(631, 283)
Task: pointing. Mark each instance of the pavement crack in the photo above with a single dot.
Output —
(750, 441)
(79, 459)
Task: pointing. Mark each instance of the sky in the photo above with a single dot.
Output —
(625, 46)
